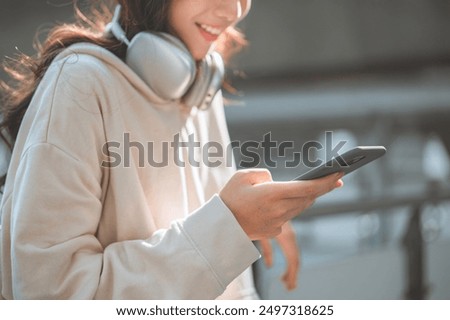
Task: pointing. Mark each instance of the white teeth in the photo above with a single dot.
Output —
(210, 29)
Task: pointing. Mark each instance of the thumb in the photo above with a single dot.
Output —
(256, 176)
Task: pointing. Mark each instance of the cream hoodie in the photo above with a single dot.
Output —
(74, 228)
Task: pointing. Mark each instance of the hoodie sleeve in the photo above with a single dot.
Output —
(55, 253)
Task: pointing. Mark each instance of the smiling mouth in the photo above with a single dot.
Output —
(208, 32)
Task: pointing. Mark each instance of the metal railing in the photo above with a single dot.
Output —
(412, 241)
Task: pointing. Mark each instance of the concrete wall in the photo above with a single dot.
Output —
(319, 35)
(293, 36)
(21, 19)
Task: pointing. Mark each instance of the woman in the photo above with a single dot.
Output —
(84, 217)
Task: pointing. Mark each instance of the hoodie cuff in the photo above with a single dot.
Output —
(220, 239)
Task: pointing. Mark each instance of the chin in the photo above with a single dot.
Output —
(199, 56)
(199, 53)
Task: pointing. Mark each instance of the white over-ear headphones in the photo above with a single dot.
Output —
(164, 63)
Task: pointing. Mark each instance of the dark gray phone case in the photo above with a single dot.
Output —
(346, 162)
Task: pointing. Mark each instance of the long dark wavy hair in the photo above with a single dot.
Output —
(26, 72)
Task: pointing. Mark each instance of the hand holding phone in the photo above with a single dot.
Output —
(262, 206)
(346, 163)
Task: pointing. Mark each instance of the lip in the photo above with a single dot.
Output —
(206, 35)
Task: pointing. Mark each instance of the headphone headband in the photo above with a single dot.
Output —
(113, 29)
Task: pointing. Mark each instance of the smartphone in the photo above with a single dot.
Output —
(346, 162)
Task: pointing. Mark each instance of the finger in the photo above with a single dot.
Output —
(309, 188)
(289, 208)
(266, 250)
(321, 186)
(289, 278)
(295, 206)
(288, 244)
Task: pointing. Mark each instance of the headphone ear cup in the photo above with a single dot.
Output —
(209, 79)
(163, 63)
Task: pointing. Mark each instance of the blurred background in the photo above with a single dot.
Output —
(340, 73)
